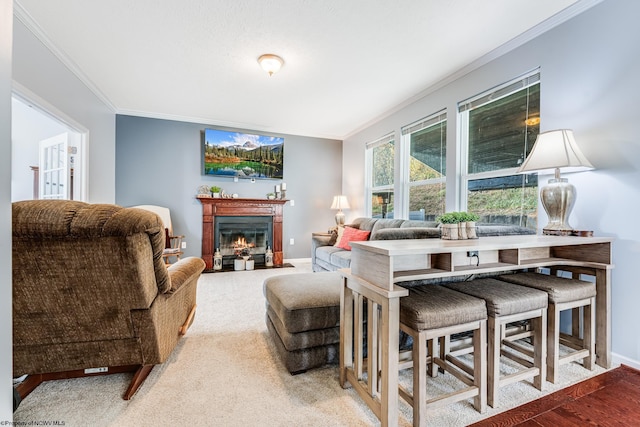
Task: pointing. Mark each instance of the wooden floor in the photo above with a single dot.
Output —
(609, 399)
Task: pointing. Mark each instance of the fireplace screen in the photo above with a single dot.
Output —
(234, 235)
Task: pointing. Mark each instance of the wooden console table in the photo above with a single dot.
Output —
(377, 267)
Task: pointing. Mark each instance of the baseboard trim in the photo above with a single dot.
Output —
(618, 359)
(294, 260)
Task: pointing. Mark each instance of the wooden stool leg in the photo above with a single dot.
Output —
(493, 374)
(419, 379)
(540, 346)
(589, 340)
(480, 367)
(553, 344)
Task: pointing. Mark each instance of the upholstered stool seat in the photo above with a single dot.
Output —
(430, 312)
(303, 316)
(508, 303)
(564, 294)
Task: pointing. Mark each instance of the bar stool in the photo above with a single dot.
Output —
(506, 304)
(428, 313)
(564, 294)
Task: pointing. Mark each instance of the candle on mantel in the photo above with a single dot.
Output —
(277, 188)
(284, 186)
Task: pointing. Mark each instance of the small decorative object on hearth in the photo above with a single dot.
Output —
(268, 257)
(238, 264)
(217, 260)
(215, 191)
(249, 264)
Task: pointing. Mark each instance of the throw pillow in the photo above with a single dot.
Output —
(351, 234)
(340, 231)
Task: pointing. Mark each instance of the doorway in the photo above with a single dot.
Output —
(32, 128)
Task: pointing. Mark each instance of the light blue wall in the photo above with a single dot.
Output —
(6, 344)
(589, 82)
(158, 162)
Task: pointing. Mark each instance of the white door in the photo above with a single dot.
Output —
(54, 174)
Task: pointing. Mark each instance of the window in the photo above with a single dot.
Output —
(380, 162)
(497, 131)
(426, 142)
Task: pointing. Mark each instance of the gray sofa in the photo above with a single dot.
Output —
(326, 257)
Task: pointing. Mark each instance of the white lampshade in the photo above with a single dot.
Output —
(552, 151)
(555, 149)
(340, 202)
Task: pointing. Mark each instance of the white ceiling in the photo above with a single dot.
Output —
(347, 62)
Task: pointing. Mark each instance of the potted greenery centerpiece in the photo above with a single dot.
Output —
(470, 224)
(271, 196)
(458, 225)
(215, 191)
(448, 226)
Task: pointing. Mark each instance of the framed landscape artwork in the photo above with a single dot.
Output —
(242, 155)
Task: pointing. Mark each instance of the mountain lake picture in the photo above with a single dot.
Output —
(242, 154)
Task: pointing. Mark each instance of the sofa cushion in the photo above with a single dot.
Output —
(383, 224)
(364, 223)
(419, 224)
(351, 234)
(305, 301)
(338, 235)
(324, 252)
(341, 259)
(406, 233)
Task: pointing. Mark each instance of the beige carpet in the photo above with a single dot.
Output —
(225, 372)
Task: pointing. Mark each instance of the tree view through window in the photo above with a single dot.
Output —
(502, 128)
(427, 168)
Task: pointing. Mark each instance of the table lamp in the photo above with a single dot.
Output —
(553, 150)
(340, 202)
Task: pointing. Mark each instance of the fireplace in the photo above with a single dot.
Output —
(234, 233)
(264, 217)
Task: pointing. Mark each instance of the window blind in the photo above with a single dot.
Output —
(425, 123)
(501, 91)
(381, 141)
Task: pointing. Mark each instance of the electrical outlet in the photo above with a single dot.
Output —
(292, 241)
(96, 370)
(472, 253)
(184, 245)
(292, 202)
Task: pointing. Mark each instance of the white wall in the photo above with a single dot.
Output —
(40, 72)
(6, 11)
(28, 128)
(589, 68)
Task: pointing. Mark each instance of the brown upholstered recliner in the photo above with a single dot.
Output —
(91, 293)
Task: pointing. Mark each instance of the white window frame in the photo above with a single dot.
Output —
(527, 80)
(369, 188)
(406, 132)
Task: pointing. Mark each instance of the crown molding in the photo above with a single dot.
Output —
(546, 25)
(23, 16)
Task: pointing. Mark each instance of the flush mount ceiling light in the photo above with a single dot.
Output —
(270, 63)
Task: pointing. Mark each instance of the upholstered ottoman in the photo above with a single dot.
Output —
(303, 316)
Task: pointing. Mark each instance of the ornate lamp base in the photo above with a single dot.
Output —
(558, 198)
